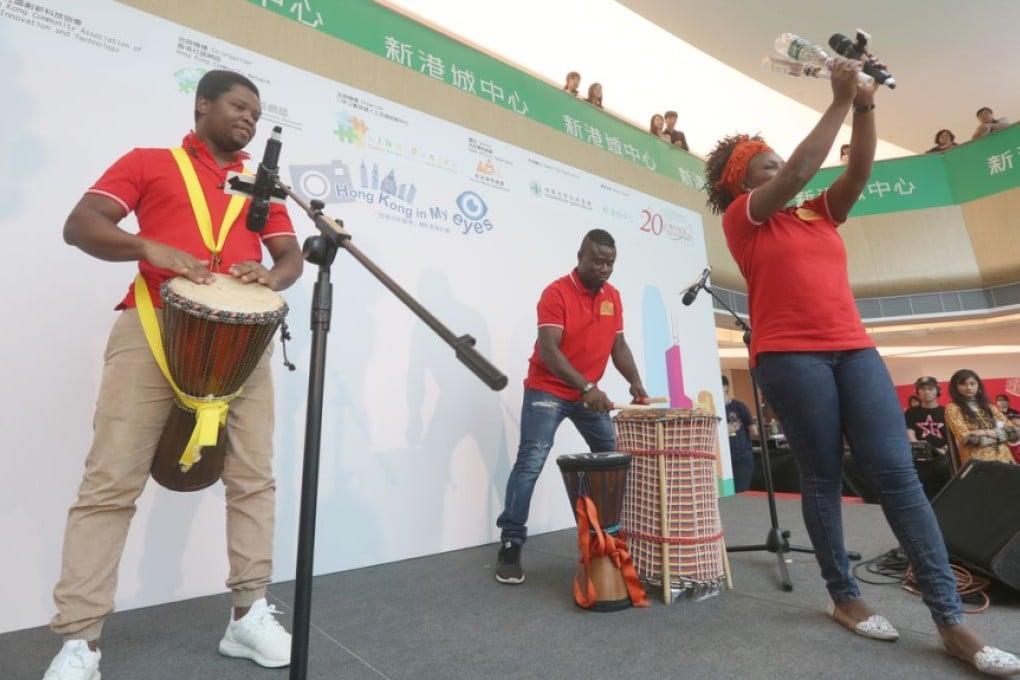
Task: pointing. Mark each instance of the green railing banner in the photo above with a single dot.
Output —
(985, 166)
(399, 39)
(910, 183)
(966, 173)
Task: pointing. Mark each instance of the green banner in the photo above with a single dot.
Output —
(910, 183)
(971, 171)
(401, 40)
(985, 166)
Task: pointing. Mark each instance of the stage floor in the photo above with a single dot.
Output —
(445, 617)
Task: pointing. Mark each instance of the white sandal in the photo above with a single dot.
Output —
(993, 661)
(875, 627)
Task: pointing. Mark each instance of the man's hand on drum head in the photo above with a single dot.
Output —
(171, 259)
(252, 272)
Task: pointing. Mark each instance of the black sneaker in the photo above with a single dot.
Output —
(508, 564)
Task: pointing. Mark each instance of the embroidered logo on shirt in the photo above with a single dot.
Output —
(808, 215)
(606, 308)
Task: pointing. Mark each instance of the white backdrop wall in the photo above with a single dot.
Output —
(415, 450)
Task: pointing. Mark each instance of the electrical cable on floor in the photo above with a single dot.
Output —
(894, 567)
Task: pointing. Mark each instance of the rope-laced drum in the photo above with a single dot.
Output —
(671, 506)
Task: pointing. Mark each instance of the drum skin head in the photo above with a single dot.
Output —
(226, 294)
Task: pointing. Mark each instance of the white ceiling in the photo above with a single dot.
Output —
(950, 58)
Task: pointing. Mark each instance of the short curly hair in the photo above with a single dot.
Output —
(719, 198)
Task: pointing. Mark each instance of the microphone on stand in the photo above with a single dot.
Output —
(692, 291)
(847, 48)
(265, 182)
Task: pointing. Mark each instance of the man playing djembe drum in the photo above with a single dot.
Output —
(135, 399)
(580, 326)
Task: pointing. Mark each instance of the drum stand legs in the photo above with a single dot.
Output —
(777, 540)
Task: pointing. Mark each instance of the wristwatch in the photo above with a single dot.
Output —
(587, 388)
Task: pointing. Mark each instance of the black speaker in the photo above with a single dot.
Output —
(979, 512)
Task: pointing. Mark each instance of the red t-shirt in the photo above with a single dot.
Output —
(149, 182)
(799, 294)
(590, 323)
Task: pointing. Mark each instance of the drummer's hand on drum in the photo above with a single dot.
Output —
(171, 259)
(252, 272)
(637, 391)
(596, 400)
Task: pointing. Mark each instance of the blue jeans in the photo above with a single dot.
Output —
(541, 416)
(820, 397)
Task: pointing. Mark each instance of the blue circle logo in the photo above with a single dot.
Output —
(472, 205)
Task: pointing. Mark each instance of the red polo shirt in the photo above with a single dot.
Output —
(798, 290)
(590, 323)
(148, 182)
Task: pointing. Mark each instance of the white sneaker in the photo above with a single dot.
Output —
(75, 661)
(257, 636)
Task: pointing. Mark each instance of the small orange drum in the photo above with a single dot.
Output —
(671, 512)
(213, 337)
(595, 485)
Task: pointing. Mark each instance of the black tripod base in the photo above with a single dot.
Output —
(778, 541)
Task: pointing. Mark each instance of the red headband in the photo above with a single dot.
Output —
(733, 173)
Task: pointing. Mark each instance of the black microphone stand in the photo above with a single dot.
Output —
(777, 540)
(321, 250)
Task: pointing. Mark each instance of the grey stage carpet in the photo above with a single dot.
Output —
(445, 617)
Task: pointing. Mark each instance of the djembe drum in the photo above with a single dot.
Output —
(671, 510)
(605, 579)
(213, 337)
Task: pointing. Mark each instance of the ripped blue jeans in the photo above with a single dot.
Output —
(541, 416)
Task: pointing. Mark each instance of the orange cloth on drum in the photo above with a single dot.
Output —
(604, 545)
(736, 165)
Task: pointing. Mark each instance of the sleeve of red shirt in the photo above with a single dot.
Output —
(122, 181)
(619, 312)
(278, 223)
(738, 228)
(551, 310)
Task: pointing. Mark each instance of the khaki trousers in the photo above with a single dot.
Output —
(133, 405)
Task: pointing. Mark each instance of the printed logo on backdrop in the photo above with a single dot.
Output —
(46, 20)
(375, 185)
(487, 167)
(352, 127)
(472, 217)
(569, 198)
(666, 223)
(212, 57)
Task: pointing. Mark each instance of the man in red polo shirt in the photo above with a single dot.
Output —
(135, 399)
(580, 326)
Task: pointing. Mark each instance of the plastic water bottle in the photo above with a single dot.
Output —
(803, 50)
(800, 68)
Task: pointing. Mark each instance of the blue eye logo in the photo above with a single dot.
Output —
(472, 205)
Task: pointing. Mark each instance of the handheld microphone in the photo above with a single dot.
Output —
(846, 47)
(692, 290)
(265, 181)
(803, 50)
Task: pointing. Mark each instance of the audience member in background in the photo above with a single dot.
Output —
(595, 95)
(979, 428)
(676, 138)
(844, 154)
(742, 429)
(913, 401)
(989, 123)
(944, 141)
(573, 82)
(818, 367)
(1002, 401)
(927, 423)
(655, 127)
